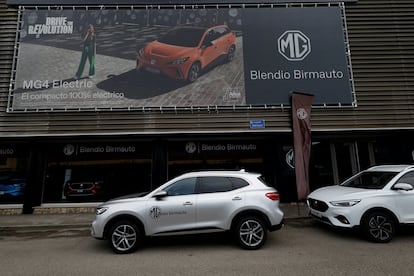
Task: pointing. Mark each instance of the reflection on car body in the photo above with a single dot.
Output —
(76, 189)
(186, 50)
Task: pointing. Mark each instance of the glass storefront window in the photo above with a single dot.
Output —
(95, 172)
(12, 179)
(96, 180)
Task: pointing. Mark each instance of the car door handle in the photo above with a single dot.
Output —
(237, 198)
(188, 203)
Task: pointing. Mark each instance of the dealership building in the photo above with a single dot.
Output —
(139, 109)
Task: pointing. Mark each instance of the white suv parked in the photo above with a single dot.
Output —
(197, 202)
(377, 200)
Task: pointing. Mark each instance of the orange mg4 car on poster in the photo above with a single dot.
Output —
(185, 51)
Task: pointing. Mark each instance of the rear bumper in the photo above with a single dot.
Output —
(277, 226)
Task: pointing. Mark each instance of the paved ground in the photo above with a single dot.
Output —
(302, 247)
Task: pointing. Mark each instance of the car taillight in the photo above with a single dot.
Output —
(273, 196)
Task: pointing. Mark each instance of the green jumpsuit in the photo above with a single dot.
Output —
(88, 52)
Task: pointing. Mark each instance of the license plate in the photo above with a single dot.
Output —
(80, 191)
(316, 213)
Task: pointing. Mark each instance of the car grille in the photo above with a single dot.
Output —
(317, 205)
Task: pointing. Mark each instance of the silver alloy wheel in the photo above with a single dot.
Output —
(380, 227)
(251, 233)
(124, 237)
(194, 72)
(231, 53)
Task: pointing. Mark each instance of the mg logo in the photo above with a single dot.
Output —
(69, 149)
(290, 158)
(155, 212)
(294, 45)
(301, 113)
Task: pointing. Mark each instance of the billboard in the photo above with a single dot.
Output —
(94, 59)
(302, 50)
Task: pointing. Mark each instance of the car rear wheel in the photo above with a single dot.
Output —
(194, 72)
(250, 233)
(124, 237)
(231, 53)
(378, 227)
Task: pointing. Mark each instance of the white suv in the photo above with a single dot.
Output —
(377, 200)
(197, 202)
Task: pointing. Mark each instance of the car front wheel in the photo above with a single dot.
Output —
(250, 233)
(378, 227)
(194, 72)
(124, 237)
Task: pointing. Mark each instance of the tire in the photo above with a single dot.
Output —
(250, 233)
(124, 237)
(378, 227)
(194, 72)
(231, 53)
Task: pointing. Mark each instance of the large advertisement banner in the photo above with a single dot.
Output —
(296, 49)
(94, 59)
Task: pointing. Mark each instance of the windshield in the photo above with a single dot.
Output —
(369, 180)
(185, 37)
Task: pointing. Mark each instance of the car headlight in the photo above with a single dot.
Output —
(345, 203)
(100, 210)
(179, 61)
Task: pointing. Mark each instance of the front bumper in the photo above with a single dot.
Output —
(337, 217)
(97, 230)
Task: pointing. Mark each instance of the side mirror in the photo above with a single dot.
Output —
(160, 194)
(403, 186)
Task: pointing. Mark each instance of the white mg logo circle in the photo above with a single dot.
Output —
(155, 212)
(294, 45)
(290, 158)
(191, 147)
(69, 149)
(301, 113)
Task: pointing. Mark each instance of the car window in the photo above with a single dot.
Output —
(182, 187)
(210, 36)
(238, 183)
(407, 178)
(221, 31)
(369, 180)
(219, 184)
(263, 180)
(213, 184)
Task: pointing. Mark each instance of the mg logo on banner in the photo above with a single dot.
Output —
(294, 45)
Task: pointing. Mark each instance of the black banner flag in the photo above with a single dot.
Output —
(301, 111)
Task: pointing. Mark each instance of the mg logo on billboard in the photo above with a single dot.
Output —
(294, 45)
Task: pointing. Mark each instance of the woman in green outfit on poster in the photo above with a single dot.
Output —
(88, 52)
